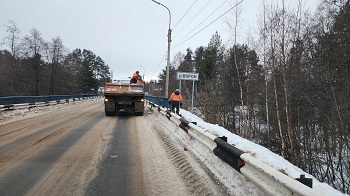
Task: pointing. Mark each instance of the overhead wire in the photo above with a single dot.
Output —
(164, 42)
(185, 14)
(203, 20)
(173, 29)
(158, 65)
(188, 24)
(197, 25)
(209, 23)
(193, 18)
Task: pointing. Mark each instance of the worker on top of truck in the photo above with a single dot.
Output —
(135, 77)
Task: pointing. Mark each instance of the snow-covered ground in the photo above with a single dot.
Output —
(261, 153)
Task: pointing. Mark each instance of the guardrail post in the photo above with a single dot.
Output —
(306, 181)
(9, 107)
(31, 105)
(168, 114)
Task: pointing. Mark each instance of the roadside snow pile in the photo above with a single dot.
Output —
(261, 153)
(8, 116)
(19, 114)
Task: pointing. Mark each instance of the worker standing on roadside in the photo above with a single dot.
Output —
(175, 101)
(135, 77)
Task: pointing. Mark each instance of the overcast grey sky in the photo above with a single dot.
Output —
(131, 35)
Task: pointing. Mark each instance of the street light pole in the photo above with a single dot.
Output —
(143, 77)
(168, 59)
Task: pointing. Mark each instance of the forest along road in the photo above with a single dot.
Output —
(77, 150)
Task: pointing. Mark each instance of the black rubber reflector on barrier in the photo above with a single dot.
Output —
(184, 127)
(228, 153)
(306, 181)
(184, 124)
(184, 121)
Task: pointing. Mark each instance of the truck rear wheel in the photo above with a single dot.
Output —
(138, 113)
(108, 113)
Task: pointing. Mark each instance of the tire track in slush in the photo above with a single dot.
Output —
(111, 174)
(22, 148)
(118, 170)
(30, 172)
(192, 179)
(22, 127)
(22, 143)
(76, 167)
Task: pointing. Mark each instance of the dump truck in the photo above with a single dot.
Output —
(123, 96)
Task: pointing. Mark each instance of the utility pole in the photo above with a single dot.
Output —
(168, 65)
(168, 58)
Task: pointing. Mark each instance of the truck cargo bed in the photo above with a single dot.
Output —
(124, 97)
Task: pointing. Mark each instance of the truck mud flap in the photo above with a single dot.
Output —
(110, 108)
(139, 108)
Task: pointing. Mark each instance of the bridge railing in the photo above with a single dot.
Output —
(161, 101)
(12, 102)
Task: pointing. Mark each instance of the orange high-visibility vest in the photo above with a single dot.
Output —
(175, 97)
(136, 76)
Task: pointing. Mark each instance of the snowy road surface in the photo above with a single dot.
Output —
(76, 150)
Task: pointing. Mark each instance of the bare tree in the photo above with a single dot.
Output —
(12, 41)
(272, 27)
(33, 48)
(13, 37)
(234, 26)
(56, 51)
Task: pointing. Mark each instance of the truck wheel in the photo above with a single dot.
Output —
(139, 113)
(107, 113)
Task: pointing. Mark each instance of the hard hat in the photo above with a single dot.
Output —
(137, 71)
(177, 90)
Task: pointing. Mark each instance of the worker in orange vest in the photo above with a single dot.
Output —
(175, 101)
(135, 77)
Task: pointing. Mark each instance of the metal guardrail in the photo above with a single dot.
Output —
(268, 179)
(17, 102)
(161, 101)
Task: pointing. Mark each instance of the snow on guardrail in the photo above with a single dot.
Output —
(11, 106)
(267, 178)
